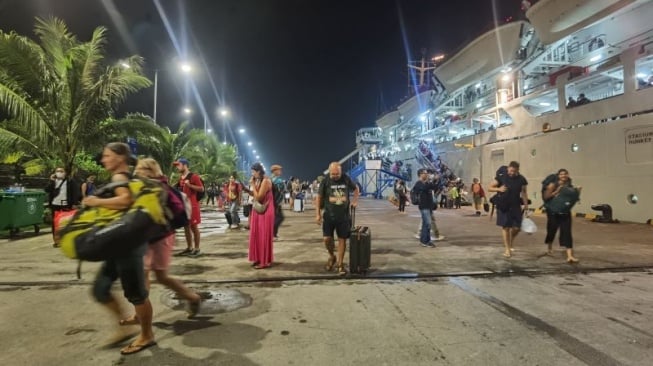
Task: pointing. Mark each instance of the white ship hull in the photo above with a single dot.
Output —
(490, 119)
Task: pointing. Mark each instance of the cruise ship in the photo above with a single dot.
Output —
(569, 87)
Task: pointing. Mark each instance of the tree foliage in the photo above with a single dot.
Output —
(57, 91)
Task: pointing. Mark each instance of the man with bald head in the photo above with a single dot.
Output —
(333, 198)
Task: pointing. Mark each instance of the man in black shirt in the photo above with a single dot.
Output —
(333, 196)
(424, 189)
(509, 214)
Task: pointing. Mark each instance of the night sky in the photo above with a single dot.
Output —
(301, 76)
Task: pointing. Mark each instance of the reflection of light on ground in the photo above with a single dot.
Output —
(213, 222)
(213, 301)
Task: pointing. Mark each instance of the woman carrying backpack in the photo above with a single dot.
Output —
(116, 158)
(159, 253)
(559, 197)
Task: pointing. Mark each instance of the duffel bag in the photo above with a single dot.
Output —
(98, 233)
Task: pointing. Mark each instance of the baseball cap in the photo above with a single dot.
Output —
(275, 167)
(181, 161)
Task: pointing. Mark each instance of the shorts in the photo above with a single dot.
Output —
(195, 216)
(342, 228)
(510, 218)
(132, 278)
(478, 200)
(159, 254)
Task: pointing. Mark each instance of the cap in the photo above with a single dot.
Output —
(275, 167)
(181, 161)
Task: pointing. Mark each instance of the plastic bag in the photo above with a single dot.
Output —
(528, 226)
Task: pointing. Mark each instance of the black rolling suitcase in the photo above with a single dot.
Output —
(360, 246)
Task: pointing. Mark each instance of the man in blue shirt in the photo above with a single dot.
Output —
(424, 189)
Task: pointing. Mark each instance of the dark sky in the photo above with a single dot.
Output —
(300, 75)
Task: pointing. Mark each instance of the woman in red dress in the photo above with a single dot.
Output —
(261, 225)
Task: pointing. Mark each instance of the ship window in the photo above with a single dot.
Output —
(644, 72)
(601, 85)
(575, 147)
(542, 104)
(632, 199)
(546, 127)
(504, 118)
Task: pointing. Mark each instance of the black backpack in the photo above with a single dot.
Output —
(414, 197)
(199, 194)
(551, 178)
(500, 199)
(277, 193)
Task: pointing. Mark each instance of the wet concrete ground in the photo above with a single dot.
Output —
(466, 304)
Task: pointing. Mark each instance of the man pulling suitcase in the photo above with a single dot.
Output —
(333, 198)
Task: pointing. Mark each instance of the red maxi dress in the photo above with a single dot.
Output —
(261, 233)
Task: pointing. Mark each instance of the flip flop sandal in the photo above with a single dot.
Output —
(119, 339)
(133, 348)
(193, 308)
(341, 270)
(330, 264)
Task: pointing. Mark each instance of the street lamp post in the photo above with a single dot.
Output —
(185, 68)
(156, 90)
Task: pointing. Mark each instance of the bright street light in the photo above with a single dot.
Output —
(188, 110)
(209, 130)
(186, 67)
(242, 130)
(125, 65)
(249, 143)
(253, 151)
(258, 157)
(224, 112)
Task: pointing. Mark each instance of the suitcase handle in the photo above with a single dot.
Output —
(353, 217)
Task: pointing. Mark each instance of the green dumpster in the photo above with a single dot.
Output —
(20, 209)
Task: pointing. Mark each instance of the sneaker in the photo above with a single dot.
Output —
(428, 245)
(416, 236)
(195, 253)
(234, 226)
(439, 238)
(186, 251)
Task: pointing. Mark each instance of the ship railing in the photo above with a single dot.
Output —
(538, 87)
(578, 50)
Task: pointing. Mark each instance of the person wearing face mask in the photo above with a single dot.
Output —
(63, 194)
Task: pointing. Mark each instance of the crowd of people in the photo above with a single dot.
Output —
(334, 198)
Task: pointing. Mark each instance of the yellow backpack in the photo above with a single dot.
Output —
(98, 233)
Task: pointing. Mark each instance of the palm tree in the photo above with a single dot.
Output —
(57, 92)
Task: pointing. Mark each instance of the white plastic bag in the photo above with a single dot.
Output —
(528, 226)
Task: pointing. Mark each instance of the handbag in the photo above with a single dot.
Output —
(247, 209)
(528, 226)
(259, 207)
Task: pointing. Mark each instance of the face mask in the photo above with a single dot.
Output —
(59, 175)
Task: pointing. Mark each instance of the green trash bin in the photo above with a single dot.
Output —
(20, 209)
